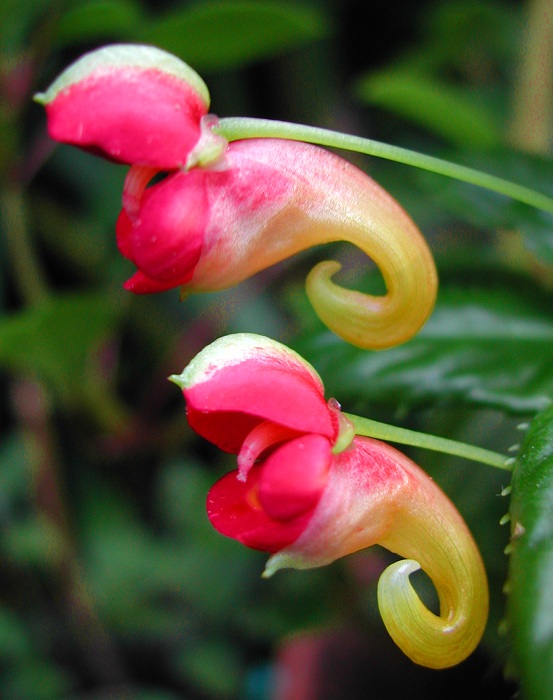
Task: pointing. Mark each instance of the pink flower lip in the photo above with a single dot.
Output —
(165, 238)
(234, 510)
(272, 508)
(226, 409)
(294, 477)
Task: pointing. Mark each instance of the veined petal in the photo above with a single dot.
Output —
(365, 489)
(132, 103)
(244, 379)
(280, 197)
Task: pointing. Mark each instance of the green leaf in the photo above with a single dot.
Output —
(87, 21)
(16, 25)
(488, 346)
(530, 604)
(213, 666)
(35, 542)
(485, 209)
(54, 341)
(445, 110)
(37, 679)
(140, 579)
(15, 643)
(217, 35)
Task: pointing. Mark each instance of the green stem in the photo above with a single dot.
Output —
(28, 274)
(390, 433)
(236, 128)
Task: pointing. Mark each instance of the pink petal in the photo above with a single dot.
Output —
(261, 391)
(243, 379)
(166, 238)
(233, 509)
(140, 283)
(123, 232)
(129, 114)
(294, 477)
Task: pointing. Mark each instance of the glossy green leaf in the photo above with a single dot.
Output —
(223, 35)
(530, 604)
(55, 341)
(87, 21)
(487, 346)
(442, 109)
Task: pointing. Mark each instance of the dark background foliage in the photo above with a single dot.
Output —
(112, 582)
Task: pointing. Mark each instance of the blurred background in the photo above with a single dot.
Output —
(112, 582)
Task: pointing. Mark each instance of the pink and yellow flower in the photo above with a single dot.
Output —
(308, 491)
(226, 211)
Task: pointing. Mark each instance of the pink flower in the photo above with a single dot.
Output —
(225, 212)
(308, 492)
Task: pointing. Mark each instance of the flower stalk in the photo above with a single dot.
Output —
(403, 436)
(234, 128)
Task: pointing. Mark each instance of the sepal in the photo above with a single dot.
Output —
(132, 103)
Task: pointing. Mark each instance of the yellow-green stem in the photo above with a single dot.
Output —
(236, 128)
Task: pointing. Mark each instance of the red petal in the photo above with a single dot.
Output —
(261, 391)
(294, 477)
(140, 283)
(131, 115)
(234, 510)
(165, 241)
(123, 229)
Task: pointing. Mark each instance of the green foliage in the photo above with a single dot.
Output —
(217, 34)
(438, 83)
(531, 562)
(208, 35)
(471, 350)
(55, 341)
(435, 105)
(86, 21)
(490, 211)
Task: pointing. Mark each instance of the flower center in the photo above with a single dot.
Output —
(136, 182)
(263, 436)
